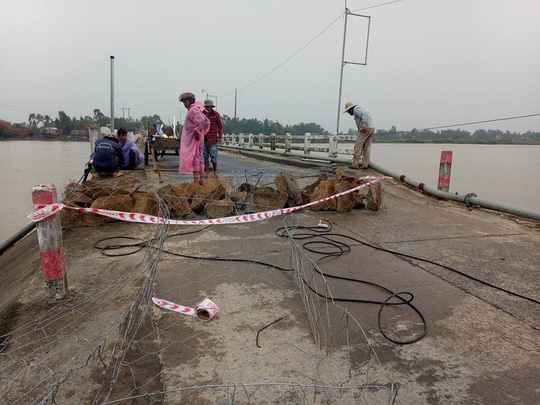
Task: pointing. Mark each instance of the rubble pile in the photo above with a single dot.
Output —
(216, 198)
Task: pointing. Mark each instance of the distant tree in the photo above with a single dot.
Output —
(99, 117)
(65, 124)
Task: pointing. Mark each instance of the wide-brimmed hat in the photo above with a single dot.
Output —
(349, 105)
(209, 103)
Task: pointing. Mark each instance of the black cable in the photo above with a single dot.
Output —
(447, 268)
(141, 244)
(342, 248)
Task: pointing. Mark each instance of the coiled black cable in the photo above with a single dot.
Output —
(141, 244)
(320, 246)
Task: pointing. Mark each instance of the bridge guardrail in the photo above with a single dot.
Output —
(289, 142)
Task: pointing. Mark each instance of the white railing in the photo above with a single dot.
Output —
(329, 144)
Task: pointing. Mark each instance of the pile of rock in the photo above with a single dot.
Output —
(289, 194)
(216, 198)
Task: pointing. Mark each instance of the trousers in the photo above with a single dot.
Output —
(362, 148)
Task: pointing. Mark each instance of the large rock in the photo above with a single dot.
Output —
(69, 218)
(122, 203)
(179, 206)
(358, 200)
(96, 189)
(219, 209)
(344, 203)
(347, 174)
(125, 185)
(374, 196)
(266, 199)
(325, 189)
(212, 190)
(145, 203)
(74, 195)
(286, 184)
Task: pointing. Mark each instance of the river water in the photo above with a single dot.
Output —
(505, 173)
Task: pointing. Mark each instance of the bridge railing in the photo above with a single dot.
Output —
(307, 143)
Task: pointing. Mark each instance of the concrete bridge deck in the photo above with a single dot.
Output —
(482, 345)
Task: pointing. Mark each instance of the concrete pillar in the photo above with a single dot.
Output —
(307, 143)
(241, 139)
(261, 141)
(93, 134)
(273, 141)
(227, 137)
(288, 140)
(49, 233)
(250, 140)
(444, 170)
(332, 147)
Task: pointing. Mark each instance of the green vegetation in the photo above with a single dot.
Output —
(41, 125)
(480, 136)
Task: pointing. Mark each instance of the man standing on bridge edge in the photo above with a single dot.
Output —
(213, 137)
(364, 122)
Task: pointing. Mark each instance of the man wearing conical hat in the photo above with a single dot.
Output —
(362, 146)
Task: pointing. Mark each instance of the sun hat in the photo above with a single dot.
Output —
(349, 105)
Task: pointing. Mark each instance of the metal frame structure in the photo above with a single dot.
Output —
(344, 62)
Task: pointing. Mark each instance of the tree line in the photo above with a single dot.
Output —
(41, 124)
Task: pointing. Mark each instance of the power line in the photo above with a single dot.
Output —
(22, 109)
(302, 48)
(288, 59)
(481, 122)
(377, 5)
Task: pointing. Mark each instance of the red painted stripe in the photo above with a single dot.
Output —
(53, 264)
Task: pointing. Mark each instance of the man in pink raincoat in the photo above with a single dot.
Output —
(196, 125)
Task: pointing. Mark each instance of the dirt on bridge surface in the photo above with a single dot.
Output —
(108, 343)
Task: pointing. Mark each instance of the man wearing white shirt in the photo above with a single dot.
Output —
(362, 146)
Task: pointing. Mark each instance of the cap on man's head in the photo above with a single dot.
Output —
(348, 106)
(208, 103)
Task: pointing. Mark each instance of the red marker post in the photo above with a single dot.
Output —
(444, 170)
(51, 250)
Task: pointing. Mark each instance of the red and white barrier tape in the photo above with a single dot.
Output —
(46, 211)
(204, 311)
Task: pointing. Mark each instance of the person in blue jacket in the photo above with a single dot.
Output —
(107, 157)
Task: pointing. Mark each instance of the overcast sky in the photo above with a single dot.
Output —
(430, 62)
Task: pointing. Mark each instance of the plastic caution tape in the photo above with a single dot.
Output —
(205, 310)
(44, 211)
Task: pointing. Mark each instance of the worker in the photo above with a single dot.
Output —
(364, 123)
(107, 157)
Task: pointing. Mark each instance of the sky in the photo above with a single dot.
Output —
(429, 62)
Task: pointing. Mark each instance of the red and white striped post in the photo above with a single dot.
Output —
(444, 170)
(50, 244)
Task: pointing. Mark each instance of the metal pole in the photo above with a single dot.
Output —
(235, 93)
(112, 94)
(342, 65)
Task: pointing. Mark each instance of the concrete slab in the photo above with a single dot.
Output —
(109, 344)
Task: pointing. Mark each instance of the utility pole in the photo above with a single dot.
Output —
(344, 62)
(235, 93)
(112, 94)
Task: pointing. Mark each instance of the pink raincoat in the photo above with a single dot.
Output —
(191, 149)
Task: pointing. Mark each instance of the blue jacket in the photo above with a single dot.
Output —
(108, 156)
